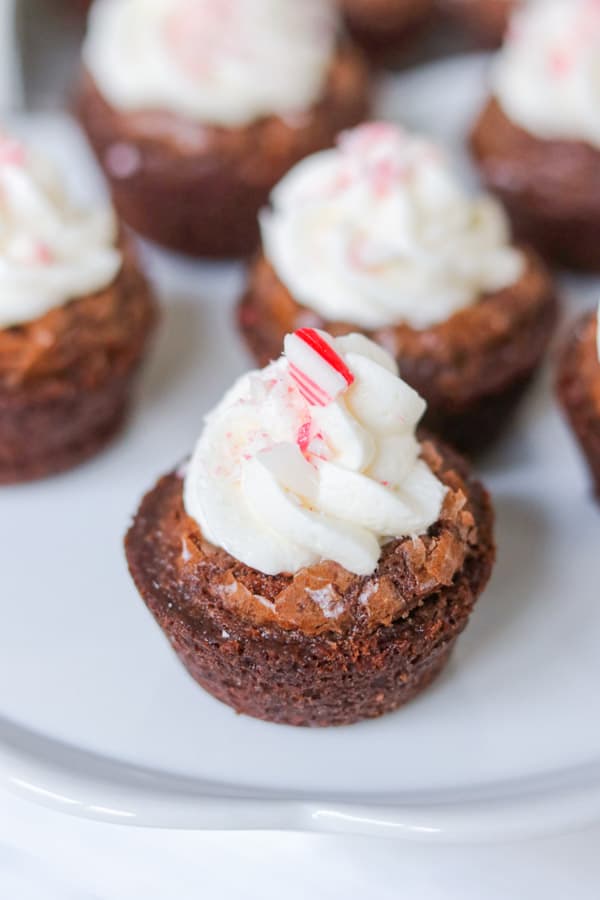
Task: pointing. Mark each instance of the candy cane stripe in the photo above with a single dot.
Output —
(319, 373)
(308, 381)
(308, 389)
(326, 351)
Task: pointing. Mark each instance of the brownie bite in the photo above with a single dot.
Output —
(379, 236)
(537, 140)
(385, 25)
(218, 102)
(316, 562)
(485, 20)
(75, 317)
(578, 388)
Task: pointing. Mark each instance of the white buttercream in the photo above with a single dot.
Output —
(379, 232)
(50, 253)
(282, 485)
(547, 77)
(227, 62)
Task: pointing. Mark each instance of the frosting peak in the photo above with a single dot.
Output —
(547, 77)
(226, 62)
(378, 232)
(49, 252)
(313, 458)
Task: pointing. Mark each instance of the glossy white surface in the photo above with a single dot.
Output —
(48, 856)
(98, 718)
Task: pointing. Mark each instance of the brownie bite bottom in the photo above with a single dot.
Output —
(386, 27)
(477, 427)
(550, 188)
(197, 188)
(243, 640)
(578, 389)
(485, 20)
(56, 429)
(66, 378)
(349, 697)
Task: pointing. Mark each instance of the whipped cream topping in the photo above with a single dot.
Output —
(313, 458)
(547, 77)
(227, 62)
(50, 253)
(378, 231)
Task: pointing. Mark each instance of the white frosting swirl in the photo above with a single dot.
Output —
(50, 253)
(227, 62)
(547, 77)
(379, 232)
(281, 484)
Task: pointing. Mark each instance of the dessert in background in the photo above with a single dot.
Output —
(537, 140)
(382, 25)
(378, 235)
(196, 108)
(485, 20)
(75, 315)
(315, 561)
(579, 389)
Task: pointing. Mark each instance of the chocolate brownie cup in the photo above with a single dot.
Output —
(578, 388)
(537, 140)
(384, 25)
(217, 103)
(485, 20)
(378, 236)
(316, 563)
(75, 316)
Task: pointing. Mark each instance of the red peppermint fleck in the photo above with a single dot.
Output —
(11, 152)
(560, 62)
(384, 176)
(318, 447)
(42, 254)
(303, 437)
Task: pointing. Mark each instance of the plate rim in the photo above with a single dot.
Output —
(91, 786)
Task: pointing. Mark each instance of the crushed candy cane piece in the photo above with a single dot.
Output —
(319, 373)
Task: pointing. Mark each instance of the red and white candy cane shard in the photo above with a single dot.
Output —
(320, 374)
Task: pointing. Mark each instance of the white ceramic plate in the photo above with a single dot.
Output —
(98, 718)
